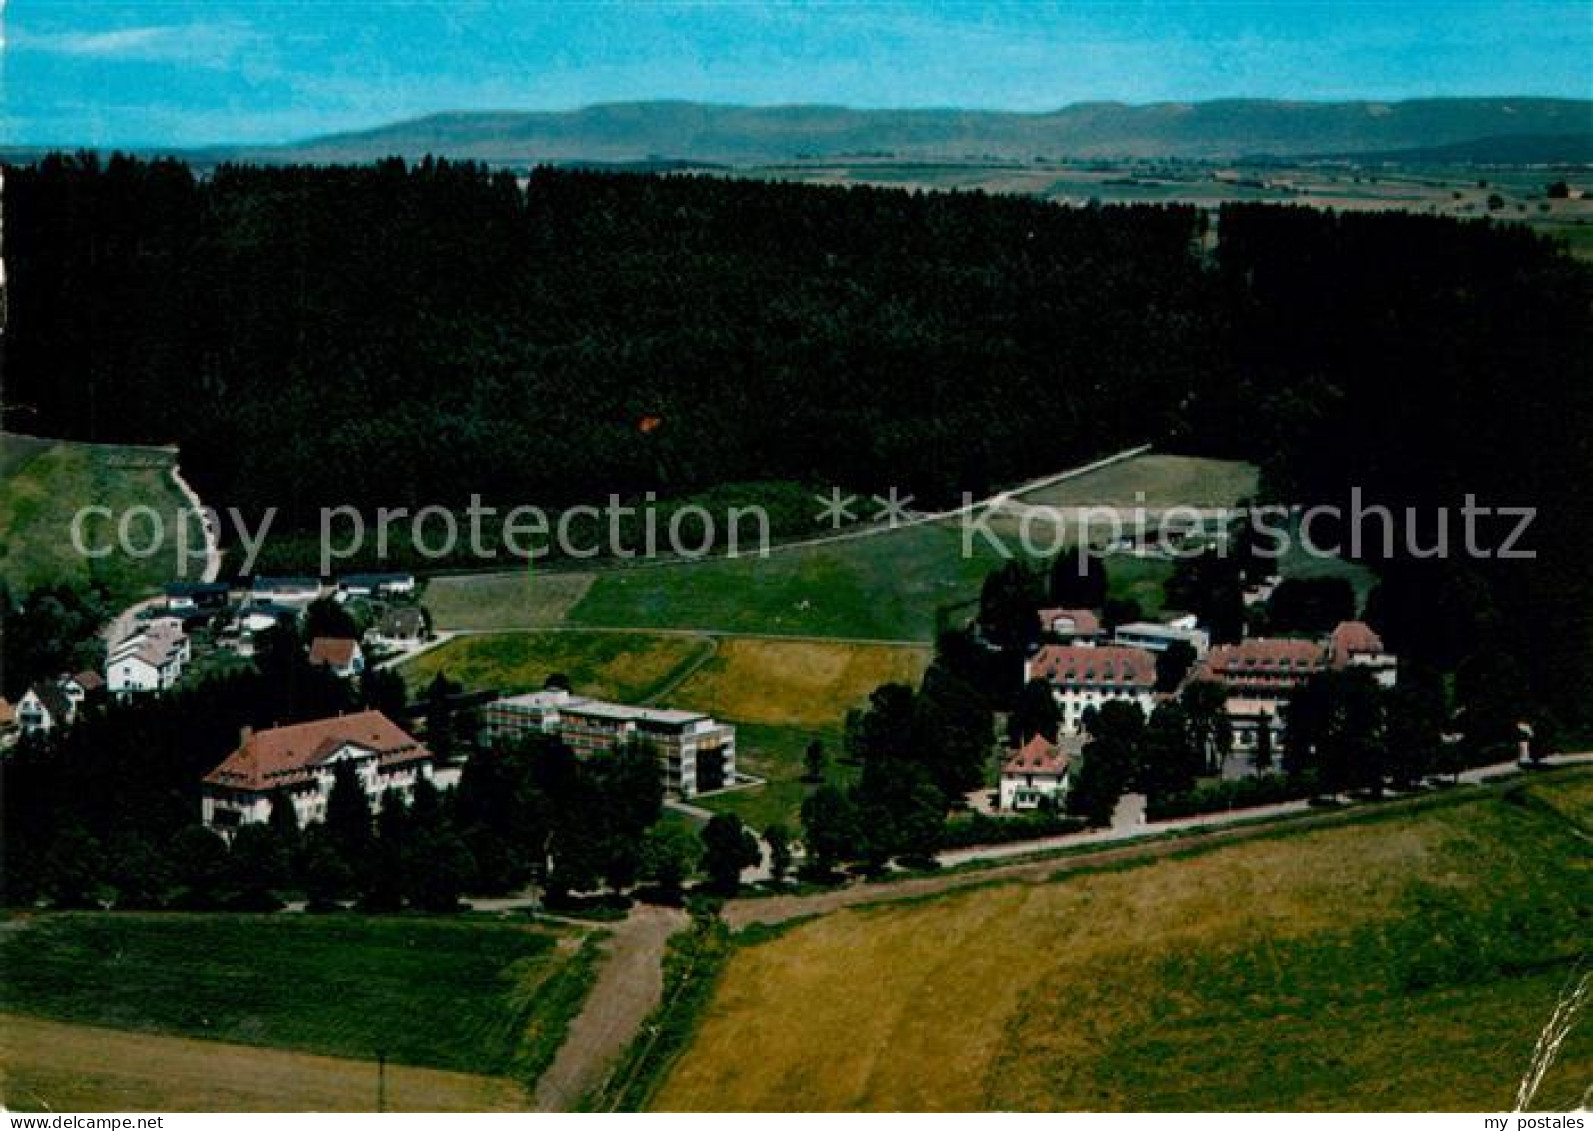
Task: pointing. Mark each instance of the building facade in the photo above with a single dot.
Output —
(697, 754)
(1084, 677)
(299, 763)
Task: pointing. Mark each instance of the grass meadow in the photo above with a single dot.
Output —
(43, 483)
(463, 996)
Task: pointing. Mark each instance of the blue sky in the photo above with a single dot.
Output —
(188, 73)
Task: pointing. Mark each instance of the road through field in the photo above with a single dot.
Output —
(1119, 845)
(630, 984)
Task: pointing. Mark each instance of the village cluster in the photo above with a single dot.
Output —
(1087, 666)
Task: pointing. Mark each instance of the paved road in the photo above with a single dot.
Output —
(1121, 842)
(629, 986)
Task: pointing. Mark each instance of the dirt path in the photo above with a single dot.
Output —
(212, 568)
(630, 984)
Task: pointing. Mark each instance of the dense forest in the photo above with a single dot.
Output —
(407, 335)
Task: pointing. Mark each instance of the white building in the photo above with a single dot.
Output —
(295, 592)
(696, 753)
(1034, 773)
(1155, 637)
(376, 584)
(42, 708)
(1353, 644)
(1071, 626)
(152, 659)
(1084, 677)
(299, 763)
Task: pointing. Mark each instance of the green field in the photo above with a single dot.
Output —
(43, 484)
(775, 753)
(887, 586)
(468, 996)
(896, 585)
(628, 666)
(486, 601)
(1404, 960)
(1152, 481)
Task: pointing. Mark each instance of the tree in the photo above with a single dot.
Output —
(778, 838)
(670, 852)
(1036, 713)
(1008, 604)
(1111, 761)
(1205, 707)
(1173, 664)
(138, 873)
(1119, 611)
(74, 871)
(1557, 190)
(382, 689)
(1311, 606)
(348, 820)
(1078, 580)
(1415, 725)
(829, 829)
(258, 868)
(1261, 757)
(728, 848)
(326, 617)
(327, 879)
(1336, 730)
(201, 868)
(815, 759)
(1171, 761)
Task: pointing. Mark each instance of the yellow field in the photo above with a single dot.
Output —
(482, 602)
(1299, 972)
(50, 1066)
(796, 682)
(629, 666)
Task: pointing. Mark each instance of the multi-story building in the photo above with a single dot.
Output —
(152, 659)
(1034, 773)
(298, 763)
(1083, 677)
(696, 752)
(1157, 637)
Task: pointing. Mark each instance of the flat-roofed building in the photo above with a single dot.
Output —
(697, 753)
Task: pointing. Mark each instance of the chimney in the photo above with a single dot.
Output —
(245, 733)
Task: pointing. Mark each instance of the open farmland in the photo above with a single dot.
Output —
(1405, 961)
(796, 682)
(54, 1066)
(887, 585)
(466, 997)
(43, 484)
(628, 666)
(486, 601)
(1153, 481)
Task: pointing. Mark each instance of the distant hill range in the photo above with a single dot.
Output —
(1468, 130)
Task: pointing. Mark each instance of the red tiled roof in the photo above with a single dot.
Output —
(1110, 665)
(1261, 657)
(89, 681)
(1037, 756)
(1351, 638)
(333, 651)
(8, 713)
(1085, 622)
(285, 755)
